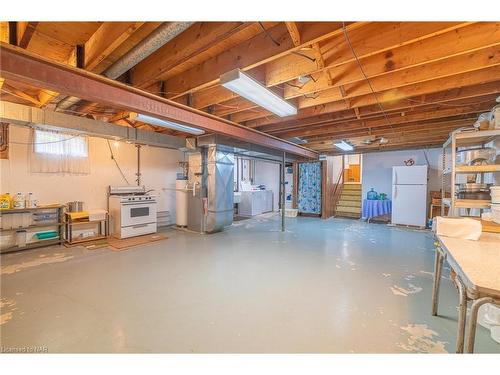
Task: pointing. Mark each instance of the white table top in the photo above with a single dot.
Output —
(476, 262)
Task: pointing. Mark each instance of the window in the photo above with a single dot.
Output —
(55, 152)
(53, 143)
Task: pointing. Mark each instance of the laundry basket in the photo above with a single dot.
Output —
(290, 212)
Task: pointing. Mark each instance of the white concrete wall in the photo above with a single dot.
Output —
(158, 167)
(377, 168)
(269, 174)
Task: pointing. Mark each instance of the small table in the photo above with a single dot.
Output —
(477, 268)
(375, 207)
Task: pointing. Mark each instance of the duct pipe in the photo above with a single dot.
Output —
(158, 38)
(154, 41)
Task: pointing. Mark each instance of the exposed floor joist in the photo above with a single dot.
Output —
(21, 66)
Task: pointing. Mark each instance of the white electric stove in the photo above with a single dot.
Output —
(133, 211)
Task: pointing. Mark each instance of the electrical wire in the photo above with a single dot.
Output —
(116, 162)
(45, 143)
(268, 34)
(348, 40)
(443, 103)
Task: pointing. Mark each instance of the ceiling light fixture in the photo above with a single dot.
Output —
(344, 146)
(167, 124)
(298, 140)
(250, 89)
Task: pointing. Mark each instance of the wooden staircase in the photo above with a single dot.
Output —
(349, 201)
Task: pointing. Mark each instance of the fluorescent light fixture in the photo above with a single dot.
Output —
(252, 90)
(298, 140)
(168, 124)
(344, 146)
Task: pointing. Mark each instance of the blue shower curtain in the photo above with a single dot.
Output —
(309, 189)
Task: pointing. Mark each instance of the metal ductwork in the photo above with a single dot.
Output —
(211, 175)
(154, 41)
(158, 38)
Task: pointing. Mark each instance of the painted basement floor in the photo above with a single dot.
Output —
(337, 286)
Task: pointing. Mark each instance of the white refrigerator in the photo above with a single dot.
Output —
(409, 195)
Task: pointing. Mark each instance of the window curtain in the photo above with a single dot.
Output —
(54, 152)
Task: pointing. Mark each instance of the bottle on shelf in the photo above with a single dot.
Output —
(5, 201)
(19, 201)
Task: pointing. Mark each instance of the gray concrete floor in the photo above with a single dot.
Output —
(334, 286)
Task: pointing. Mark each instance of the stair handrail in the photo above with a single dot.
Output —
(338, 186)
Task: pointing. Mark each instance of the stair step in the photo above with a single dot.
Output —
(352, 187)
(350, 197)
(354, 210)
(347, 203)
(355, 193)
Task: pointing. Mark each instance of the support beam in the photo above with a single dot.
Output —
(294, 33)
(25, 115)
(25, 31)
(19, 65)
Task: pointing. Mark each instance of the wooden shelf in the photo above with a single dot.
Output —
(472, 203)
(476, 137)
(477, 168)
(33, 226)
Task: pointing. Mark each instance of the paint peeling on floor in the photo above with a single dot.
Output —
(54, 258)
(422, 340)
(427, 273)
(4, 318)
(6, 304)
(386, 274)
(400, 291)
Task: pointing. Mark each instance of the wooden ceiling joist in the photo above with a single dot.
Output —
(19, 65)
(261, 49)
(391, 95)
(25, 31)
(108, 37)
(193, 41)
(315, 115)
(368, 39)
(325, 129)
(453, 49)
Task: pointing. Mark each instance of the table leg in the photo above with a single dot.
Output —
(438, 266)
(462, 314)
(473, 321)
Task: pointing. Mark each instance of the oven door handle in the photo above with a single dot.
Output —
(138, 203)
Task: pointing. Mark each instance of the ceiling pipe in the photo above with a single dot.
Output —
(154, 41)
(158, 38)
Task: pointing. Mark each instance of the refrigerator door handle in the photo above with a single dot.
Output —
(395, 191)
